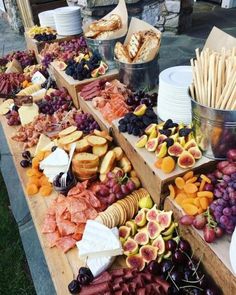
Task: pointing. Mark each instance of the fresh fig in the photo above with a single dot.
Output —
(142, 237)
(186, 160)
(154, 229)
(151, 144)
(159, 243)
(133, 226)
(189, 144)
(175, 150)
(161, 150)
(181, 140)
(148, 253)
(141, 141)
(135, 261)
(130, 247)
(152, 214)
(174, 137)
(140, 218)
(145, 202)
(153, 134)
(140, 110)
(164, 219)
(150, 128)
(195, 152)
(124, 232)
(161, 138)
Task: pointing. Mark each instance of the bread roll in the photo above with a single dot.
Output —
(148, 50)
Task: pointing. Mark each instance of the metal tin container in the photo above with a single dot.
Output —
(139, 76)
(105, 48)
(214, 130)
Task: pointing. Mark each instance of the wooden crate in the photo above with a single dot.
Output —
(214, 257)
(74, 86)
(153, 179)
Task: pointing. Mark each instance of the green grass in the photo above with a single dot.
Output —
(15, 278)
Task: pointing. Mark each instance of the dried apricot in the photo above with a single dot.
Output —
(35, 163)
(190, 209)
(204, 177)
(158, 163)
(204, 202)
(180, 197)
(34, 180)
(44, 180)
(180, 182)
(40, 155)
(196, 202)
(31, 189)
(190, 188)
(172, 191)
(203, 182)
(45, 190)
(188, 175)
(188, 201)
(168, 164)
(32, 172)
(192, 180)
(206, 194)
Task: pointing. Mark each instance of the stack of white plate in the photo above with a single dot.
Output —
(68, 21)
(173, 98)
(46, 19)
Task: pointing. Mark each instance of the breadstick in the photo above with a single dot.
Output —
(229, 89)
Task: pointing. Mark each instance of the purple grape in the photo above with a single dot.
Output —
(224, 220)
(217, 193)
(227, 211)
(209, 187)
(233, 208)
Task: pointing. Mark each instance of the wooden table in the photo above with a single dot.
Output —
(214, 257)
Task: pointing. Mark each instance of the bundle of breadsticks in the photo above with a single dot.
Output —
(214, 78)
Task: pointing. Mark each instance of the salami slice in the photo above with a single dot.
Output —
(66, 227)
(66, 243)
(91, 213)
(52, 238)
(49, 224)
(79, 217)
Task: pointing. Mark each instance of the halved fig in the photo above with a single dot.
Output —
(151, 144)
(161, 138)
(175, 150)
(153, 134)
(159, 243)
(152, 214)
(174, 137)
(161, 150)
(186, 160)
(181, 140)
(135, 261)
(133, 226)
(141, 141)
(195, 152)
(140, 218)
(150, 128)
(124, 232)
(189, 144)
(148, 253)
(140, 110)
(154, 229)
(130, 247)
(142, 237)
(164, 219)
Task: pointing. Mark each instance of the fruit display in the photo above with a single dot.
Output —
(63, 50)
(191, 193)
(58, 100)
(25, 58)
(12, 117)
(42, 33)
(136, 122)
(10, 83)
(85, 66)
(141, 97)
(86, 123)
(29, 71)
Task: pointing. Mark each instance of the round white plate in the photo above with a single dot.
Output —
(232, 251)
(180, 76)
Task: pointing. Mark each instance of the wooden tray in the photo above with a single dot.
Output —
(214, 257)
(153, 179)
(74, 86)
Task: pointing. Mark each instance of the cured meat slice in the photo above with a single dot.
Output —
(90, 213)
(66, 215)
(79, 217)
(52, 208)
(79, 232)
(77, 236)
(80, 187)
(66, 227)
(66, 243)
(93, 200)
(52, 238)
(49, 224)
(61, 207)
(164, 284)
(103, 277)
(117, 272)
(76, 205)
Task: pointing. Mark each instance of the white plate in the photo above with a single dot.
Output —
(180, 76)
(232, 251)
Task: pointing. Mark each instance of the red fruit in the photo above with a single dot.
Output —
(229, 169)
(231, 155)
(199, 221)
(219, 232)
(209, 234)
(222, 165)
(187, 220)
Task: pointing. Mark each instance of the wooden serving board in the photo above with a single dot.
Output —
(153, 179)
(74, 86)
(214, 257)
(62, 267)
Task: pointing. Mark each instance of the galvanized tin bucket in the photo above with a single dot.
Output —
(105, 48)
(139, 76)
(214, 130)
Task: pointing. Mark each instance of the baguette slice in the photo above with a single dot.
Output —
(118, 152)
(67, 131)
(91, 34)
(103, 134)
(148, 50)
(85, 172)
(121, 53)
(74, 136)
(134, 44)
(125, 164)
(107, 162)
(82, 146)
(110, 24)
(101, 150)
(95, 140)
(86, 159)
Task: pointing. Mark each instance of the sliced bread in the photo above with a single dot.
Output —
(107, 162)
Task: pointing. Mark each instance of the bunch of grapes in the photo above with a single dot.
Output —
(141, 97)
(45, 37)
(57, 100)
(83, 69)
(23, 57)
(12, 116)
(86, 123)
(115, 187)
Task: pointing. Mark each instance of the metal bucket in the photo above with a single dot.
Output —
(214, 130)
(139, 76)
(105, 48)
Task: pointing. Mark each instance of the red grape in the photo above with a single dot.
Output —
(187, 219)
(209, 234)
(199, 221)
(231, 155)
(222, 164)
(219, 232)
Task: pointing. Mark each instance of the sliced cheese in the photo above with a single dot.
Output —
(39, 95)
(6, 106)
(14, 67)
(29, 90)
(38, 78)
(28, 113)
(42, 143)
(58, 158)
